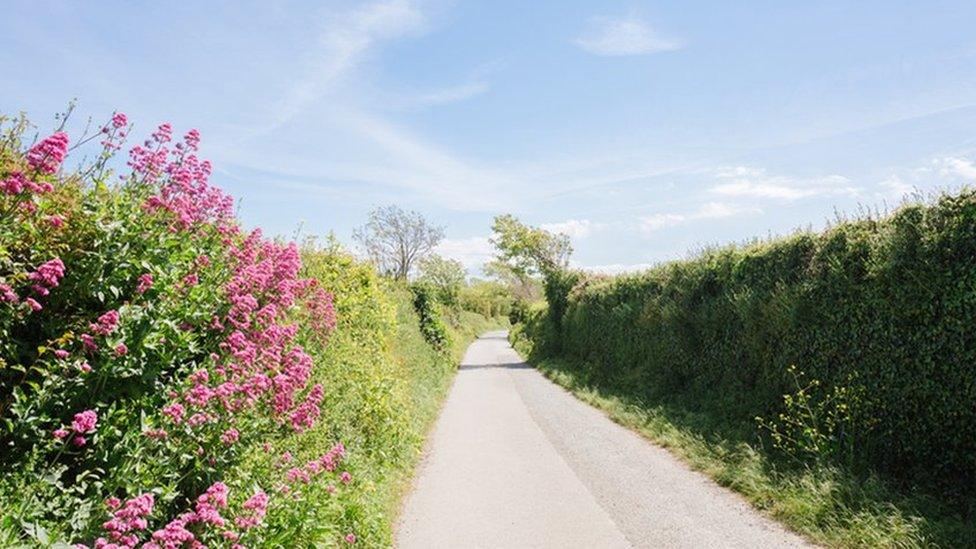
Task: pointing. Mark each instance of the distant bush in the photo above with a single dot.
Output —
(487, 298)
(876, 313)
(431, 324)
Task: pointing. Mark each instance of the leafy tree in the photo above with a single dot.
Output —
(445, 275)
(529, 250)
(396, 239)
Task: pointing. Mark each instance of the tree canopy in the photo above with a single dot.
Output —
(395, 239)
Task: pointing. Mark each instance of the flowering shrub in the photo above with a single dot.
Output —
(149, 348)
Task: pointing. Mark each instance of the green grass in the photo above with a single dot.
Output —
(821, 503)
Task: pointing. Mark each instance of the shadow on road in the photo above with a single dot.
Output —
(505, 365)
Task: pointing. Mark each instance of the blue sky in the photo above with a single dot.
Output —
(644, 130)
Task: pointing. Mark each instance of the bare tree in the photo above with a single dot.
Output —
(395, 239)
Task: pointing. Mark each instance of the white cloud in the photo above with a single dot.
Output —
(654, 222)
(451, 94)
(344, 40)
(574, 228)
(958, 167)
(472, 252)
(895, 187)
(709, 210)
(428, 169)
(623, 36)
(745, 181)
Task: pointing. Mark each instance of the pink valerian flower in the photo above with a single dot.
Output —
(230, 436)
(145, 282)
(345, 477)
(56, 221)
(61, 433)
(112, 503)
(175, 412)
(208, 504)
(7, 294)
(85, 422)
(46, 156)
(85, 367)
(33, 304)
(79, 440)
(191, 280)
(296, 474)
(119, 120)
(256, 507)
(320, 310)
(61, 353)
(89, 342)
(121, 349)
(350, 538)
(198, 419)
(305, 415)
(156, 434)
(49, 274)
(106, 324)
(174, 534)
(130, 518)
(192, 139)
(15, 183)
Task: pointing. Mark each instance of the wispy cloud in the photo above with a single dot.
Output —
(746, 181)
(894, 187)
(451, 94)
(472, 252)
(574, 228)
(343, 41)
(426, 168)
(956, 166)
(710, 210)
(623, 36)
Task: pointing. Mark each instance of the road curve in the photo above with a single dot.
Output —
(515, 461)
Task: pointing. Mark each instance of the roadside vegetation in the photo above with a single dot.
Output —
(828, 377)
(168, 378)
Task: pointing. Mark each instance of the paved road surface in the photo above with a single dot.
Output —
(515, 461)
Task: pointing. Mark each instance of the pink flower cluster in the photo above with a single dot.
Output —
(7, 294)
(320, 309)
(17, 182)
(46, 156)
(125, 522)
(83, 423)
(259, 362)
(115, 132)
(106, 324)
(145, 282)
(186, 193)
(325, 463)
(47, 276)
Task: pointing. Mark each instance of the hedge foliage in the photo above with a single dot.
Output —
(876, 315)
(431, 325)
(166, 377)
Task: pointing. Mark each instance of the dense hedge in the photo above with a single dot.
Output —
(875, 313)
(431, 325)
(167, 378)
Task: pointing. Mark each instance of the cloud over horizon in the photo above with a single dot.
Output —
(611, 36)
